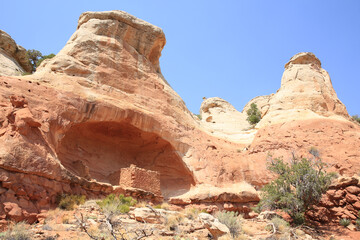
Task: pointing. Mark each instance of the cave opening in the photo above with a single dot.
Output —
(98, 150)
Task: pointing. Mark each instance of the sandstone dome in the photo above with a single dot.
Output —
(102, 105)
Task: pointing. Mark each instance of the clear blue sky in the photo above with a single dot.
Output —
(235, 50)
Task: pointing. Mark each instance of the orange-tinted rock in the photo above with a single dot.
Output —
(351, 198)
(326, 202)
(353, 189)
(13, 211)
(356, 204)
(18, 101)
(102, 104)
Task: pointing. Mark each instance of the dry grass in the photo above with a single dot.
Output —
(253, 228)
(141, 204)
(172, 221)
(191, 213)
(165, 206)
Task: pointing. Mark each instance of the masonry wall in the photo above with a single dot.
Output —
(140, 178)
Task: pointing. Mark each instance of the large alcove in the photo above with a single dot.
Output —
(97, 150)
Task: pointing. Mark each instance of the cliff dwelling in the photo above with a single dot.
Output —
(98, 150)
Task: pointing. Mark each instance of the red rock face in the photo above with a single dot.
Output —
(102, 104)
(337, 141)
(341, 201)
(98, 149)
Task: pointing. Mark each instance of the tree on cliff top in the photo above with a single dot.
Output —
(34, 56)
(254, 114)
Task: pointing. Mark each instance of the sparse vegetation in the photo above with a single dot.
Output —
(35, 58)
(344, 222)
(68, 202)
(232, 220)
(254, 115)
(299, 185)
(173, 221)
(280, 224)
(113, 204)
(356, 118)
(357, 224)
(43, 58)
(18, 231)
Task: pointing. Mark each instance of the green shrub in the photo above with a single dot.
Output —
(254, 115)
(43, 58)
(231, 220)
(68, 202)
(20, 231)
(344, 222)
(113, 204)
(356, 118)
(357, 224)
(280, 224)
(299, 186)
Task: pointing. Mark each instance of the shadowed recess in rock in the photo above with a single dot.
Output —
(97, 150)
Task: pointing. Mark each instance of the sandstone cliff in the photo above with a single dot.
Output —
(13, 60)
(101, 104)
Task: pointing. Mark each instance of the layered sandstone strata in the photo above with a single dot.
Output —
(102, 104)
(13, 59)
(306, 92)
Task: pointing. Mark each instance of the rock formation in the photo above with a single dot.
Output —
(101, 105)
(221, 119)
(306, 92)
(13, 60)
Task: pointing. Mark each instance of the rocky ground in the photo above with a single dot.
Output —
(165, 222)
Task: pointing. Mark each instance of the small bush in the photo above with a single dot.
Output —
(19, 231)
(113, 204)
(357, 224)
(43, 58)
(172, 222)
(68, 202)
(300, 184)
(345, 222)
(280, 224)
(254, 115)
(231, 220)
(356, 118)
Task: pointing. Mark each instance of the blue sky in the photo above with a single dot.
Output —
(235, 50)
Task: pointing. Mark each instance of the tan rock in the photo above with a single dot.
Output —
(102, 104)
(306, 92)
(221, 119)
(151, 215)
(216, 228)
(13, 59)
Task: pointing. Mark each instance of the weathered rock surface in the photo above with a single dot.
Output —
(306, 92)
(216, 228)
(13, 60)
(340, 201)
(221, 119)
(102, 104)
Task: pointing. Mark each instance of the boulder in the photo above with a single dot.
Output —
(216, 228)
